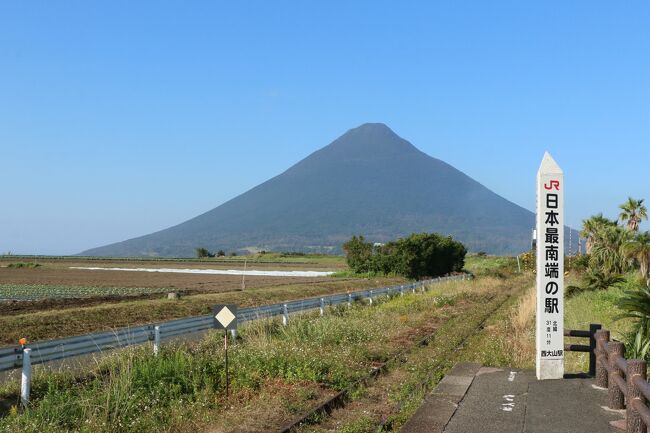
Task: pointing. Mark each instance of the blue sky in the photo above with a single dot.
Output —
(121, 118)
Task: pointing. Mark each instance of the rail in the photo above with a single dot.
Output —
(625, 379)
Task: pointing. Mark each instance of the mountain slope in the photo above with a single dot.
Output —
(369, 181)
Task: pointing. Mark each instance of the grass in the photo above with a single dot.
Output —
(294, 366)
(510, 332)
(351, 274)
(498, 266)
(592, 307)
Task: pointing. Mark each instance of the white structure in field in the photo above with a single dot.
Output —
(550, 270)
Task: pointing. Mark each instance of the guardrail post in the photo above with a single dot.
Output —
(602, 338)
(635, 368)
(349, 299)
(156, 340)
(593, 327)
(26, 383)
(285, 315)
(322, 306)
(615, 394)
(370, 296)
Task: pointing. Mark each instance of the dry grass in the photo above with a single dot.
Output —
(522, 323)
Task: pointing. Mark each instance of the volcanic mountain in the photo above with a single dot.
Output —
(367, 182)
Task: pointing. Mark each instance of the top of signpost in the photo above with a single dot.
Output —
(549, 166)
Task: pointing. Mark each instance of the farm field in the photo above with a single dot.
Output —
(75, 301)
(57, 278)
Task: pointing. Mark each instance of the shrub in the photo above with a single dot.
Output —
(29, 265)
(202, 253)
(416, 256)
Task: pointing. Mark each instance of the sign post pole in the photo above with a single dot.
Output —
(225, 317)
(225, 349)
(550, 271)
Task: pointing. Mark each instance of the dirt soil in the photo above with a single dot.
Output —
(58, 273)
(96, 278)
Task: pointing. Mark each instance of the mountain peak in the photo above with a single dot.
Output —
(370, 140)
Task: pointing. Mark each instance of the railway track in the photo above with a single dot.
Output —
(342, 398)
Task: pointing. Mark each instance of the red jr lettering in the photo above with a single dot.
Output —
(553, 184)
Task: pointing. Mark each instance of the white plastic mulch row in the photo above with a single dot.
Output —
(214, 271)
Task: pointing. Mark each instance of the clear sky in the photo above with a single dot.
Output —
(120, 118)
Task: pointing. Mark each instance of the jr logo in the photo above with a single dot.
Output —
(553, 184)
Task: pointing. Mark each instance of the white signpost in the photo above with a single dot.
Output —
(550, 270)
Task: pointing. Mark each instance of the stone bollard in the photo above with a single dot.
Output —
(615, 394)
(602, 338)
(635, 369)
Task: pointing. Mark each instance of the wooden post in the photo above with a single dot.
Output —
(593, 327)
(614, 393)
(635, 368)
(602, 338)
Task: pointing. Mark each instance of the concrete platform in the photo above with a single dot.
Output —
(472, 399)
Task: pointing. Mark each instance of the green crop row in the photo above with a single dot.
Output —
(22, 292)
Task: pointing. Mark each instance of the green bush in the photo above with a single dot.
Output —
(202, 253)
(29, 265)
(416, 256)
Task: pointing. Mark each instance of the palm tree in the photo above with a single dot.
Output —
(639, 249)
(592, 227)
(633, 211)
(636, 306)
(607, 252)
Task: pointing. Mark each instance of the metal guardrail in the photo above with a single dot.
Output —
(11, 357)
